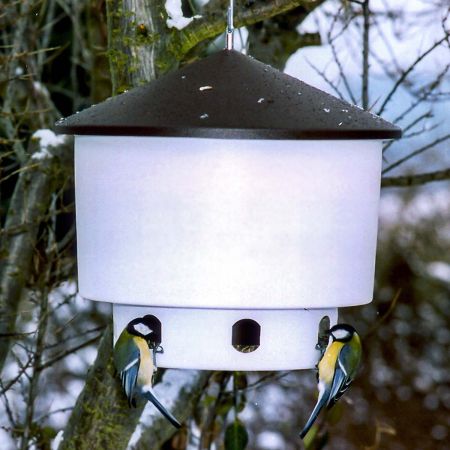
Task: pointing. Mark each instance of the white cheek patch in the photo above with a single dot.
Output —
(143, 329)
(341, 334)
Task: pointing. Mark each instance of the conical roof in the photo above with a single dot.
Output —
(228, 95)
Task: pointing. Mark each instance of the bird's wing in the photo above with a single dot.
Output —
(129, 377)
(321, 402)
(127, 360)
(341, 379)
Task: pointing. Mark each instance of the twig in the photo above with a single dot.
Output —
(51, 413)
(34, 382)
(415, 180)
(69, 338)
(365, 73)
(426, 115)
(419, 132)
(8, 409)
(17, 45)
(326, 79)
(272, 376)
(337, 60)
(207, 434)
(47, 32)
(415, 153)
(68, 352)
(391, 308)
(406, 72)
(12, 382)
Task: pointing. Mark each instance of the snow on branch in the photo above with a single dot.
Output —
(47, 138)
(176, 18)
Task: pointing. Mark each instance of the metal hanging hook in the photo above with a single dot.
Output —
(230, 26)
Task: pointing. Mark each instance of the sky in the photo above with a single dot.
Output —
(419, 26)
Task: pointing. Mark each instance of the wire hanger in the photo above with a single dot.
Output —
(230, 27)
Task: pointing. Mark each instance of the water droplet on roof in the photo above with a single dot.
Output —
(299, 93)
(205, 88)
(261, 100)
(327, 110)
(345, 110)
(183, 77)
(204, 116)
(340, 123)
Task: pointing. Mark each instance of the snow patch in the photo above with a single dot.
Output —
(440, 270)
(47, 138)
(167, 393)
(39, 87)
(270, 440)
(57, 441)
(175, 13)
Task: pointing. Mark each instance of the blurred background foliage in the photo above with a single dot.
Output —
(60, 56)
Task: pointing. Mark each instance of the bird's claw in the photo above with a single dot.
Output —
(156, 348)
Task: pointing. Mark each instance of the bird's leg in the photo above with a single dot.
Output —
(155, 348)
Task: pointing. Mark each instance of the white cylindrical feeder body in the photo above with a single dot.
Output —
(220, 224)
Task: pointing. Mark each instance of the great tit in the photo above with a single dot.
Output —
(134, 354)
(337, 369)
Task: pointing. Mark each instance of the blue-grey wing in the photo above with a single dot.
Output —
(127, 360)
(342, 376)
(129, 378)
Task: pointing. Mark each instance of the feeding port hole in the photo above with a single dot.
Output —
(246, 335)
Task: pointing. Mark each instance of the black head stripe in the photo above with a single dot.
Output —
(342, 332)
(130, 326)
(155, 325)
(147, 327)
(138, 327)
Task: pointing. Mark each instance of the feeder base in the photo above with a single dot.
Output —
(194, 338)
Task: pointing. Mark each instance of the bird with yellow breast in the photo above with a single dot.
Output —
(336, 369)
(134, 358)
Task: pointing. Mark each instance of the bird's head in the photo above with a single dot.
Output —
(144, 328)
(342, 332)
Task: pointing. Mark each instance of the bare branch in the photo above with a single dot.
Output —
(365, 65)
(427, 115)
(326, 79)
(337, 59)
(190, 386)
(30, 201)
(101, 417)
(406, 72)
(415, 180)
(67, 352)
(415, 153)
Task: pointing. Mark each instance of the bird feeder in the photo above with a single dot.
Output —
(235, 204)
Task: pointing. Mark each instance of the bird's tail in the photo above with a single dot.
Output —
(148, 394)
(312, 418)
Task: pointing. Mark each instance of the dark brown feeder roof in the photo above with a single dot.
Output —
(228, 95)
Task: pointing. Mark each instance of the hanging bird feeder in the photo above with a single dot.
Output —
(235, 204)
